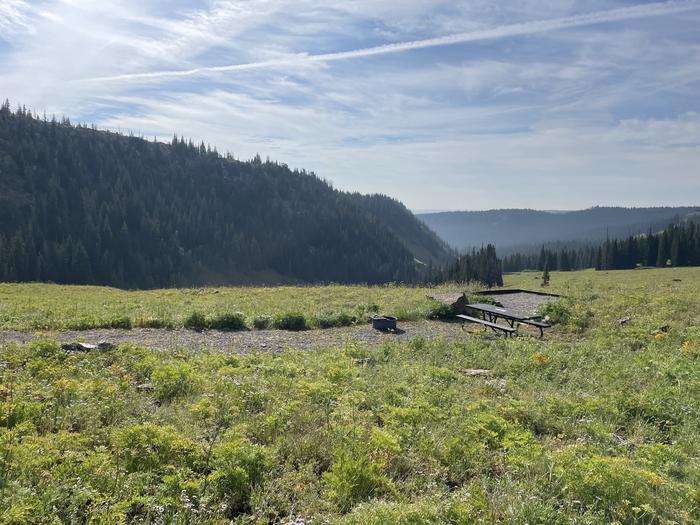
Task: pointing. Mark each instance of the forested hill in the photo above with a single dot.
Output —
(79, 205)
(425, 244)
(520, 228)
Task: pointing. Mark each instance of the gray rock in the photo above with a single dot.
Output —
(457, 301)
(78, 347)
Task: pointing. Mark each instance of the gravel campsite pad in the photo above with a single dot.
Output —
(246, 342)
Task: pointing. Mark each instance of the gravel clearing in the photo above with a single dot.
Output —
(246, 342)
(523, 303)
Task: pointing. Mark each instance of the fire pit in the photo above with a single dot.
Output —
(385, 323)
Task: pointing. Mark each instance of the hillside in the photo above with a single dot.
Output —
(509, 229)
(78, 205)
(423, 242)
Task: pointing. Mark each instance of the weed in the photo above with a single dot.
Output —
(292, 321)
(228, 321)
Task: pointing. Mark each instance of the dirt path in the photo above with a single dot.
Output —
(246, 342)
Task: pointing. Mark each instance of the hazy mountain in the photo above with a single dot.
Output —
(78, 205)
(520, 228)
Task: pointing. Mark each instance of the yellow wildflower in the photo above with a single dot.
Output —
(687, 345)
(541, 358)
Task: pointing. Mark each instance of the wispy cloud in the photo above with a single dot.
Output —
(504, 31)
(14, 16)
(601, 93)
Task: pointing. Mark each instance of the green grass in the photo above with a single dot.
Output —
(599, 423)
(36, 307)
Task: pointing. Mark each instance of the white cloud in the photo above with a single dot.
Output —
(509, 30)
(578, 113)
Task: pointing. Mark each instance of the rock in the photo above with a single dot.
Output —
(457, 301)
(677, 280)
(474, 372)
(86, 347)
(624, 320)
(144, 387)
(365, 361)
(665, 328)
(78, 347)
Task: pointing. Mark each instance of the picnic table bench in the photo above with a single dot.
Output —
(508, 330)
(491, 314)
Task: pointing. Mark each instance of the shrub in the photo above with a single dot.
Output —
(154, 322)
(350, 481)
(45, 348)
(150, 447)
(291, 321)
(240, 467)
(333, 319)
(172, 381)
(557, 312)
(229, 321)
(195, 321)
(438, 310)
(82, 323)
(262, 322)
(366, 310)
(120, 322)
(612, 485)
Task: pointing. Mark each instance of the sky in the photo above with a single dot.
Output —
(443, 104)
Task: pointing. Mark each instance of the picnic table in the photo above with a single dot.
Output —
(491, 313)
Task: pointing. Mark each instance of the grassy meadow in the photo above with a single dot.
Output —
(597, 423)
(36, 307)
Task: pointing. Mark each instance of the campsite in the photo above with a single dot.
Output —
(596, 422)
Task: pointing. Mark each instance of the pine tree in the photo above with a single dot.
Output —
(545, 275)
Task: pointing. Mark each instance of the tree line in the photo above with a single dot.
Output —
(677, 245)
(482, 265)
(84, 206)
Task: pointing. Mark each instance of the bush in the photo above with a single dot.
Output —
(438, 310)
(154, 322)
(45, 348)
(262, 322)
(240, 467)
(120, 322)
(351, 481)
(150, 447)
(333, 319)
(557, 312)
(173, 381)
(229, 321)
(291, 321)
(82, 323)
(612, 485)
(577, 316)
(195, 321)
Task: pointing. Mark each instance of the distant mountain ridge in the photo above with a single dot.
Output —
(80, 205)
(519, 228)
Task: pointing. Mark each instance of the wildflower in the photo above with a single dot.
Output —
(659, 335)
(541, 358)
(687, 345)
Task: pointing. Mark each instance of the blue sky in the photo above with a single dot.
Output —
(442, 104)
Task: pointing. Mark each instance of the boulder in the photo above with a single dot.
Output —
(86, 347)
(78, 347)
(457, 301)
(474, 372)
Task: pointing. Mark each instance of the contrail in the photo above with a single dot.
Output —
(525, 28)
